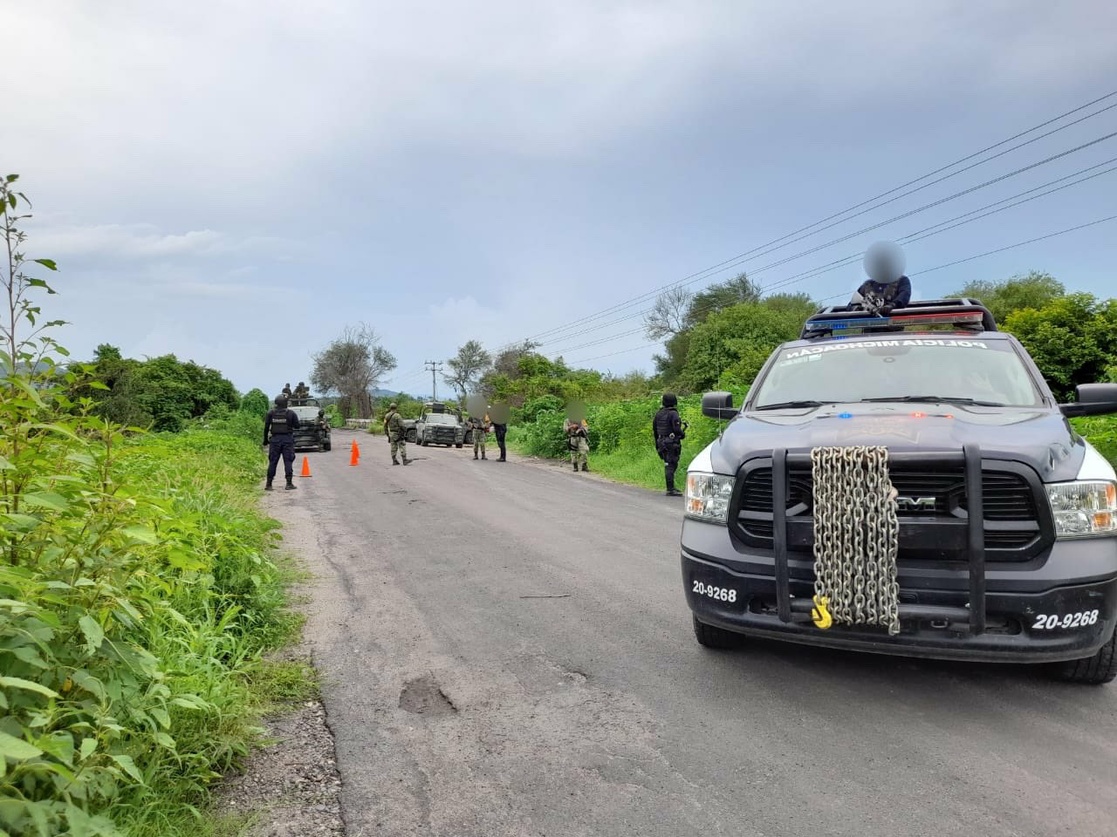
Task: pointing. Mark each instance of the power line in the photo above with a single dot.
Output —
(817, 226)
(730, 262)
(927, 232)
(916, 273)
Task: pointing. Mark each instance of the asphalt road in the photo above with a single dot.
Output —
(506, 651)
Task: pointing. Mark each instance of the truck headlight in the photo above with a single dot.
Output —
(707, 496)
(1087, 507)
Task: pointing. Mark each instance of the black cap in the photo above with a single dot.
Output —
(669, 399)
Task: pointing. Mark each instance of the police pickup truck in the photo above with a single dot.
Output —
(909, 485)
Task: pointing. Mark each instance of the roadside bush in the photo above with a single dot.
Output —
(1102, 433)
(135, 599)
(334, 416)
(256, 402)
(242, 423)
(620, 436)
(136, 589)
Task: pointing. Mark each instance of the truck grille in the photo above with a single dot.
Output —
(1013, 524)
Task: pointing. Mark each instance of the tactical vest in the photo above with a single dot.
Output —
(663, 424)
(279, 424)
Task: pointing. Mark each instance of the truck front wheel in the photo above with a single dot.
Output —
(1092, 671)
(710, 637)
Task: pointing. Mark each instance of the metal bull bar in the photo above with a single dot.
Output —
(790, 609)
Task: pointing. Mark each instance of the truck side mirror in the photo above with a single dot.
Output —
(1093, 400)
(718, 405)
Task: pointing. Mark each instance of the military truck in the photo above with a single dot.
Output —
(314, 427)
(437, 425)
(892, 487)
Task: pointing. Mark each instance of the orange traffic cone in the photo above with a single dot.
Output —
(354, 454)
(306, 468)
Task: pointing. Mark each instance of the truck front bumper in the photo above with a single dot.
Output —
(1065, 609)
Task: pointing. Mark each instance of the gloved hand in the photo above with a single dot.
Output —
(885, 310)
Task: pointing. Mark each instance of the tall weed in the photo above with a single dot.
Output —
(620, 435)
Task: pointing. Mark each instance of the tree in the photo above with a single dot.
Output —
(256, 402)
(720, 296)
(731, 346)
(1073, 339)
(352, 366)
(467, 368)
(1003, 298)
(505, 368)
(668, 316)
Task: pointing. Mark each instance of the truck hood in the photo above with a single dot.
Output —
(1040, 438)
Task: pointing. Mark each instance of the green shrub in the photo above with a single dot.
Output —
(242, 423)
(334, 416)
(1102, 433)
(256, 402)
(136, 595)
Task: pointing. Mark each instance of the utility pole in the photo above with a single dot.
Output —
(434, 366)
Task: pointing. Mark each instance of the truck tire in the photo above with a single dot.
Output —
(710, 637)
(458, 445)
(1092, 671)
(327, 446)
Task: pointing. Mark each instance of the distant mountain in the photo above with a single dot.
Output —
(391, 393)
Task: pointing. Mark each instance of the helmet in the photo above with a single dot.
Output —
(884, 262)
(669, 399)
(393, 405)
(281, 401)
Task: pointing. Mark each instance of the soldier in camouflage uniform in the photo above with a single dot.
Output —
(480, 430)
(577, 437)
(393, 427)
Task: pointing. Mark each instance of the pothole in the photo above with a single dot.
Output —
(422, 696)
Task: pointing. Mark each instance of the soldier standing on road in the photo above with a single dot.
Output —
(397, 435)
(280, 425)
(577, 439)
(480, 430)
(667, 428)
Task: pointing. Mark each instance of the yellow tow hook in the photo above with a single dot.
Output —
(819, 614)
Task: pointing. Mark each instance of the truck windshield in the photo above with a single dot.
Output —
(982, 372)
(440, 418)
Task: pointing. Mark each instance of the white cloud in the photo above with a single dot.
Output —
(126, 242)
(245, 93)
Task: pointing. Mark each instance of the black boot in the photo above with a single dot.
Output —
(585, 468)
(395, 461)
(407, 461)
(290, 485)
(267, 486)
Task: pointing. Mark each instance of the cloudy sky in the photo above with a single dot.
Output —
(237, 181)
